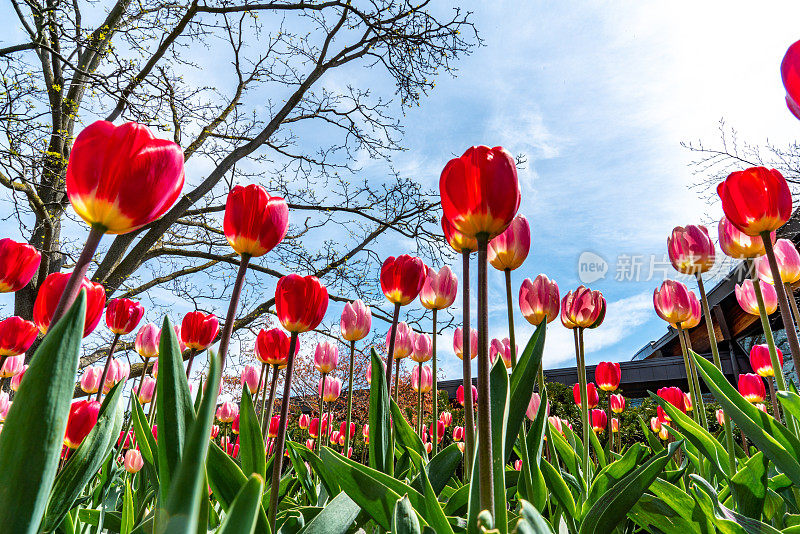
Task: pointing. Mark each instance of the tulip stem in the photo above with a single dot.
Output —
(609, 418)
(690, 375)
(192, 354)
(510, 303)
(232, 307)
(435, 393)
(271, 402)
(783, 301)
(466, 353)
(392, 338)
(578, 334)
(265, 374)
(280, 440)
(321, 406)
(792, 302)
(350, 394)
(396, 379)
(78, 273)
(419, 399)
(485, 473)
(105, 367)
(775, 409)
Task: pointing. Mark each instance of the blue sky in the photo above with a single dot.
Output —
(598, 96)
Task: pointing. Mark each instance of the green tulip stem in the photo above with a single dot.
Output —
(75, 281)
(419, 399)
(227, 329)
(689, 374)
(192, 354)
(699, 405)
(578, 333)
(105, 367)
(271, 400)
(469, 413)
(321, 407)
(485, 473)
(397, 380)
(774, 398)
(510, 304)
(435, 392)
(350, 396)
(609, 417)
(392, 339)
(280, 440)
(792, 302)
(265, 375)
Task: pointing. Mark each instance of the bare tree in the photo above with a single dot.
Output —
(278, 93)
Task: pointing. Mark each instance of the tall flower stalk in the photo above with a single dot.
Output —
(355, 324)
(539, 300)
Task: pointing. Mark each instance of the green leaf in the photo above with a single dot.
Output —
(726, 520)
(188, 485)
(537, 493)
(303, 475)
(565, 451)
(145, 441)
(531, 521)
(523, 379)
(434, 515)
(457, 501)
(243, 514)
(336, 518)
(499, 386)
(174, 410)
(330, 483)
(381, 457)
(697, 436)
(127, 509)
(404, 519)
(790, 402)
(404, 434)
(251, 443)
(86, 461)
(33, 432)
(598, 449)
(613, 506)
(749, 486)
(771, 437)
(441, 468)
(612, 474)
(559, 489)
(681, 503)
(654, 515)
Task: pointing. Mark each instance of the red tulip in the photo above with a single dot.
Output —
(583, 308)
(761, 362)
(458, 241)
(16, 336)
(446, 418)
(617, 403)
(790, 75)
(121, 178)
(356, 320)
(254, 221)
(788, 260)
(18, 264)
(746, 297)
(458, 433)
(50, 293)
(593, 398)
(614, 424)
(751, 386)
(439, 289)
(272, 432)
(737, 244)
(673, 396)
(690, 249)
(756, 200)
(272, 347)
(509, 249)
(82, 418)
(607, 375)
(313, 427)
(672, 302)
(310, 444)
(599, 420)
(460, 395)
(539, 299)
(352, 429)
(300, 302)
(198, 330)
(303, 421)
(365, 432)
(480, 191)
(438, 431)
(402, 278)
(458, 343)
(123, 315)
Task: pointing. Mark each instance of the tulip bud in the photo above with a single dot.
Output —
(533, 406)
(675, 397)
(556, 422)
(356, 320)
(687, 402)
(402, 278)
(214, 431)
(751, 386)
(539, 299)
(422, 381)
(18, 263)
(761, 362)
(736, 243)
(17, 379)
(458, 343)
(458, 433)
(342, 429)
(592, 397)
(403, 341)
(509, 249)
(502, 349)
(617, 403)
(439, 289)
(720, 417)
(90, 379)
(437, 430)
(5, 405)
(118, 371)
(272, 347)
(599, 420)
(460, 395)
(250, 378)
(255, 222)
(147, 391)
(303, 421)
(147, 341)
(607, 375)
(788, 260)
(583, 308)
(133, 461)
(655, 424)
(518, 465)
(461, 446)
(756, 200)
(82, 418)
(690, 249)
(310, 444)
(50, 293)
(423, 348)
(326, 357)
(274, 422)
(333, 389)
(746, 297)
(672, 302)
(227, 412)
(235, 424)
(123, 316)
(614, 424)
(695, 313)
(198, 330)
(480, 191)
(300, 302)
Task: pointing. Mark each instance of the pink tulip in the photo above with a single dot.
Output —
(428, 447)
(672, 302)
(583, 308)
(303, 421)
(539, 299)
(509, 249)
(446, 418)
(439, 290)
(617, 403)
(518, 465)
(690, 249)
(250, 378)
(403, 342)
(326, 357)
(655, 424)
(5, 405)
(737, 244)
(133, 461)
(272, 430)
(333, 389)
(118, 371)
(147, 341)
(458, 433)
(502, 349)
(460, 395)
(556, 422)
(368, 372)
(17, 380)
(12, 366)
(458, 343)
(422, 382)
(696, 313)
(310, 444)
(423, 348)
(614, 424)
(533, 406)
(788, 263)
(154, 372)
(227, 412)
(356, 320)
(148, 390)
(90, 380)
(214, 431)
(746, 297)
(365, 432)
